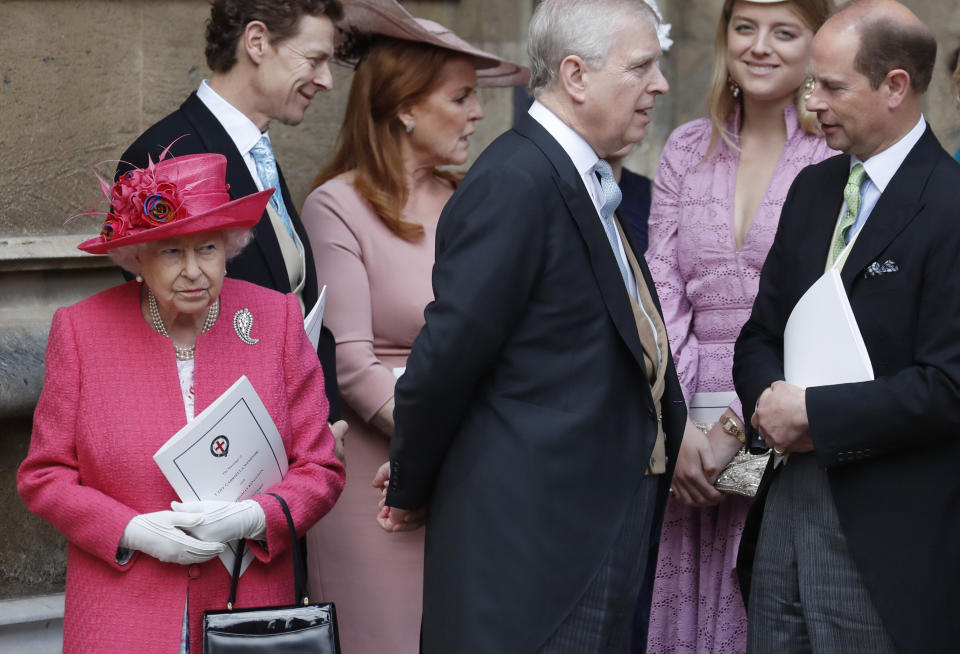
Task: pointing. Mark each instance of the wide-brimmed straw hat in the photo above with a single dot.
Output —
(387, 18)
(173, 197)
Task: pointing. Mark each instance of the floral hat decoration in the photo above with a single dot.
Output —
(174, 197)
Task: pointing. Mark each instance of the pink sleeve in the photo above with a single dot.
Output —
(315, 476)
(663, 258)
(49, 478)
(331, 219)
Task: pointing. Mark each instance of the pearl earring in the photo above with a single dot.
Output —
(734, 87)
(139, 279)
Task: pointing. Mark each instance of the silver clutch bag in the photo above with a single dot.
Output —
(742, 475)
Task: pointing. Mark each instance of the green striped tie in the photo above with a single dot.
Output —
(851, 193)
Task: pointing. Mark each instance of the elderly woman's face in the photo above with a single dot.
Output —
(185, 273)
(444, 119)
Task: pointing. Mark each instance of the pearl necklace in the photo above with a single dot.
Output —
(183, 352)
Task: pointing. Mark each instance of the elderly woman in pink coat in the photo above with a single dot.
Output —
(126, 369)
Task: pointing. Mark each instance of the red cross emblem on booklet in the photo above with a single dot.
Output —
(220, 446)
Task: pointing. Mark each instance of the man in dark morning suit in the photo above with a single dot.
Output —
(268, 58)
(540, 413)
(857, 548)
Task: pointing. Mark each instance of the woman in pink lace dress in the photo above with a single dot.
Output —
(716, 202)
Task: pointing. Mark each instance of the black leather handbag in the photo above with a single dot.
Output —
(303, 628)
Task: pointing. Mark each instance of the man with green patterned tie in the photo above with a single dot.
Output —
(856, 551)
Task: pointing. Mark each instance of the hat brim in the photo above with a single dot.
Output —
(387, 18)
(241, 213)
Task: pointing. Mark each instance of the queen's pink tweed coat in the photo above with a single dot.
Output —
(111, 398)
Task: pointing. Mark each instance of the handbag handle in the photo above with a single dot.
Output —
(299, 567)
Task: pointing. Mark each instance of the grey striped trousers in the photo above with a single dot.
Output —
(602, 619)
(806, 594)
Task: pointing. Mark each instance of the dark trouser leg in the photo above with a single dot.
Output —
(602, 619)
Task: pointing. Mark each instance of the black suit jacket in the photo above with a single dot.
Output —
(524, 419)
(891, 446)
(261, 262)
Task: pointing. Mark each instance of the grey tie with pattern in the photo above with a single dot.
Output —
(609, 203)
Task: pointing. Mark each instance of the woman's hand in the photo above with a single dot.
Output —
(339, 429)
(725, 446)
(222, 522)
(160, 534)
(383, 418)
(696, 469)
(391, 518)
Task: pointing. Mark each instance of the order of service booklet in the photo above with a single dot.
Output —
(314, 320)
(822, 344)
(231, 451)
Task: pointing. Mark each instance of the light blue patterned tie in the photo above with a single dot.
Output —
(610, 191)
(267, 170)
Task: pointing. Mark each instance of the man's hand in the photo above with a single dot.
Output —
(696, 468)
(781, 418)
(339, 429)
(391, 518)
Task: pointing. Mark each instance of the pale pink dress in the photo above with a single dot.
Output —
(706, 289)
(377, 287)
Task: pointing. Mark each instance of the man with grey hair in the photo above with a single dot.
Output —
(540, 414)
(857, 547)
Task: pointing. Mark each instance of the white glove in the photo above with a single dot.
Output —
(224, 521)
(160, 535)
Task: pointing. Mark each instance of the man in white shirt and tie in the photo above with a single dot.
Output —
(857, 547)
(268, 60)
(540, 413)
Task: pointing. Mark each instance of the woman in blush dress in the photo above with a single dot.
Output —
(716, 201)
(372, 219)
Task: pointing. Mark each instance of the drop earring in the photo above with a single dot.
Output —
(807, 88)
(734, 87)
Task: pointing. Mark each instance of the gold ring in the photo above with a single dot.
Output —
(779, 452)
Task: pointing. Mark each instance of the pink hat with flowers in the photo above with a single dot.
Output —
(173, 197)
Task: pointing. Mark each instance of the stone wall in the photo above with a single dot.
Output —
(80, 80)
